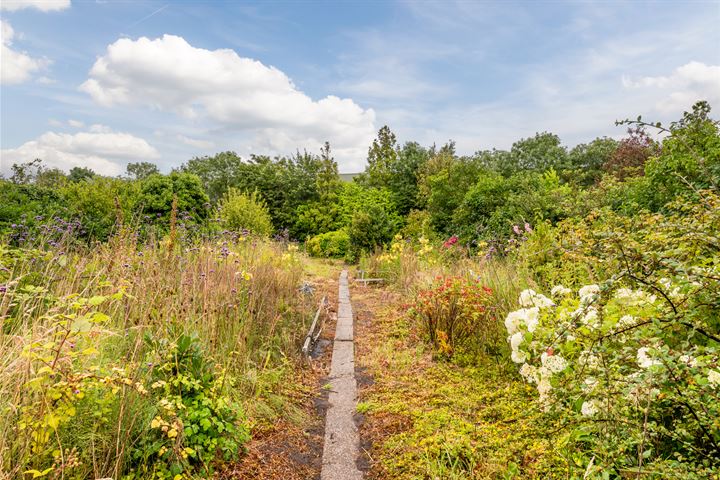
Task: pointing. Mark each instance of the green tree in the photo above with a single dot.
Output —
(240, 211)
(157, 192)
(78, 174)
(141, 170)
(382, 154)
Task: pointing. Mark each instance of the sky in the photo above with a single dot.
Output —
(102, 83)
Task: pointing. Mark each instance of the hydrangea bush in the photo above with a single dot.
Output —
(629, 380)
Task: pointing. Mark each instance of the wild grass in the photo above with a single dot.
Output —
(238, 296)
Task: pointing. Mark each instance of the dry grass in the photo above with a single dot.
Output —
(240, 299)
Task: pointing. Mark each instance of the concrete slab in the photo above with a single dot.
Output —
(342, 441)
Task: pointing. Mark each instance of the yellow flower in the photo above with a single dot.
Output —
(172, 433)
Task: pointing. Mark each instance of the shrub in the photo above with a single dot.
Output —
(630, 366)
(331, 244)
(240, 211)
(456, 313)
(194, 419)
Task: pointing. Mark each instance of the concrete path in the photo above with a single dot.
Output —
(342, 442)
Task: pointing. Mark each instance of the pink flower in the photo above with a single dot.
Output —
(528, 228)
(450, 241)
(516, 229)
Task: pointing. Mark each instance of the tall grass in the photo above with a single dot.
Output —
(238, 297)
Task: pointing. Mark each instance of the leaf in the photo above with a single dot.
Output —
(97, 300)
(38, 473)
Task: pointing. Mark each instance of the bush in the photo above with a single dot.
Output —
(455, 313)
(630, 366)
(240, 211)
(331, 244)
(194, 421)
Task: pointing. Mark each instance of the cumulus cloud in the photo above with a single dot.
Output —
(684, 86)
(16, 66)
(239, 93)
(42, 5)
(104, 151)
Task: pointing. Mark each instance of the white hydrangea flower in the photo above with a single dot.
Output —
(529, 373)
(588, 293)
(589, 359)
(626, 321)
(590, 382)
(518, 356)
(626, 296)
(590, 408)
(590, 318)
(560, 291)
(554, 363)
(516, 340)
(544, 387)
(689, 360)
(714, 378)
(532, 318)
(530, 298)
(644, 360)
(513, 321)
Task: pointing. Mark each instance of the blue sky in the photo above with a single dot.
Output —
(103, 83)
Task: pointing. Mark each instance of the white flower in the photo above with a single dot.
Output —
(554, 363)
(559, 291)
(644, 360)
(529, 373)
(530, 298)
(588, 293)
(589, 359)
(591, 318)
(516, 340)
(532, 318)
(689, 360)
(590, 408)
(714, 378)
(626, 296)
(513, 321)
(518, 357)
(544, 387)
(590, 382)
(525, 316)
(626, 321)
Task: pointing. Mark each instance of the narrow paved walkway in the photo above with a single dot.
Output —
(342, 443)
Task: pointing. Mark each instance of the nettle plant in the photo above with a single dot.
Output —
(626, 374)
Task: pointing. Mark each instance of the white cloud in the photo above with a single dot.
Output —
(75, 123)
(42, 5)
(194, 142)
(16, 67)
(106, 152)
(685, 85)
(239, 93)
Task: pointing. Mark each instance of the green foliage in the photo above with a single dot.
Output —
(585, 161)
(329, 245)
(689, 159)
(140, 170)
(382, 154)
(240, 211)
(78, 174)
(641, 348)
(194, 420)
(157, 193)
(99, 202)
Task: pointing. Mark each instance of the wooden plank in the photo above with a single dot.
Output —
(309, 340)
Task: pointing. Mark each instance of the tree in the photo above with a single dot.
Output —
(585, 161)
(141, 170)
(157, 193)
(381, 155)
(239, 211)
(78, 174)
